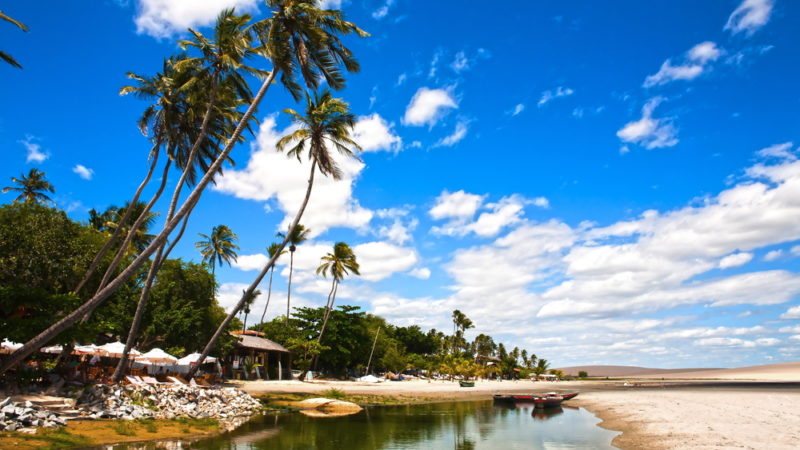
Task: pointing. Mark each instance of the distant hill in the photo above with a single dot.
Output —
(624, 371)
(767, 372)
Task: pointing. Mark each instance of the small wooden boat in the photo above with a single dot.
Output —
(567, 396)
(539, 401)
(514, 398)
(550, 401)
(466, 383)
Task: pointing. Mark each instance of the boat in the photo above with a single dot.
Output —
(567, 396)
(466, 383)
(549, 401)
(514, 398)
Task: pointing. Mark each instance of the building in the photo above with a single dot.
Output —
(257, 358)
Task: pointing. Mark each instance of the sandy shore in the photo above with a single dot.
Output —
(658, 415)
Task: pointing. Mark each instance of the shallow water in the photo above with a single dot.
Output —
(456, 425)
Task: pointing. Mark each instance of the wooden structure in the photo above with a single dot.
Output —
(255, 357)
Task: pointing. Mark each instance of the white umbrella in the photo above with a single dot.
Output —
(116, 349)
(7, 346)
(157, 355)
(192, 359)
(90, 349)
(53, 349)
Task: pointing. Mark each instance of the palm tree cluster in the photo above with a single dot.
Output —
(201, 108)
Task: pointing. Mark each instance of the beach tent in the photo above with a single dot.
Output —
(157, 356)
(7, 346)
(115, 349)
(90, 349)
(192, 359)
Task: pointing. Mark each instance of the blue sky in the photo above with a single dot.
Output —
(610, 185)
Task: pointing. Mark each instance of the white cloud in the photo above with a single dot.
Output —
(374, 134)
(795, 250)
(383, 10)
(499, 215)
(697, 59)
(251, 262)
(330, 4)
(735, 260)
(379, 260)
(792, 313)
(83, 171)
(401, 226)
(34, 150)
(459, 204)
(780, 151)
(749, 16)
(518, 109)
(459, 133)
(269, 174)
(549, 95)
(460, 62)
(773, 255)
(163, 18)
(229, 294)
(428, 106)
(423, 273)
(401, 79)
(649, 132)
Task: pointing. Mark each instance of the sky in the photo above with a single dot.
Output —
(595, 183)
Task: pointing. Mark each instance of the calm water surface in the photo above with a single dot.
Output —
(457, 425)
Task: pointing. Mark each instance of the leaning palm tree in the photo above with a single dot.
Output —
(295, 237)
(290, 21)
(251, 298)
(327, 122)
(220, 247)
(340, 263)
(272, 250)
(31, 187)
(3, 55)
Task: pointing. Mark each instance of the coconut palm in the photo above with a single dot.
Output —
(220, 247)
(327, 122)
(295, 236)
(251, 298)
(272, 250)
(340, 263)
(285, 26)
(31, 187)
(3, 55)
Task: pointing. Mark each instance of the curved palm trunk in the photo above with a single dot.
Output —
(289, 297)
(107, 246)
(57, 328)
(269, 293)
(250, 289)
(328, 310)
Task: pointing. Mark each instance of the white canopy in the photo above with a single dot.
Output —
(90, 349)
(192, 359)
(7, 346)
(52, 349)
(157, 355)
(116, 349)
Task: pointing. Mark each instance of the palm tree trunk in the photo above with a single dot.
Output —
(107, 246)
(57, 328)
(328, 309)
(289, 297)
(269, 293)
(250, 289)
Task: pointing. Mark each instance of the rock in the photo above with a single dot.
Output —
(5, 402)
(11, 427)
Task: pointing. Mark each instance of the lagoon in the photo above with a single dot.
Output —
(449, 425)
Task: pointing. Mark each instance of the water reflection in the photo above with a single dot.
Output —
(459, 425)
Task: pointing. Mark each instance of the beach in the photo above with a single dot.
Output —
(696, 414)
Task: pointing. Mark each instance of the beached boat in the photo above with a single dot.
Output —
(514, 398)
(548, 400)
(567, 396)
(466, 383)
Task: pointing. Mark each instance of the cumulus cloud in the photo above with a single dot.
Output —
(374, 134)
(650, 132)
(459, 205)
(251, 262)
(792, 313)
(83, 171)
(379, 260)
(496, 216)
(423, 273)
(749, 16)
(34, 150)
(164, 18)
(270, 175)
(735, 260)
(428, 106)
(695, 63)
(779, 151)
(552, 94)
(773, 255)
(459, 133)
(398, 229)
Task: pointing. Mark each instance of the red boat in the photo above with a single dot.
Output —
(539, 401)
(549, 401)
(568, 396)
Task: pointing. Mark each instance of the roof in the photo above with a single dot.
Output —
(258, 343)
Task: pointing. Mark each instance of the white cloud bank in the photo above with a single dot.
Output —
(650, 132)
(428, 106)
(164, 18)
(460, 207)
(373, 133)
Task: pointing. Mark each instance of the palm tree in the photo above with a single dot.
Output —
(327, 122)
(272, 250)
(286, 25)
(31, 187)
(218, 248)
(339, 264)
(295, 237)
(3, 55)
(251, 298)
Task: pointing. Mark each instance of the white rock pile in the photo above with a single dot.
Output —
(228, 405)
(16, 416)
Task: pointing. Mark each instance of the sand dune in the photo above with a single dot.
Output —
(768, 372)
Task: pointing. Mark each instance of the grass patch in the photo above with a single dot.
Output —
(336, 394)
(124, 428)
(149, 425)
(49, 438)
